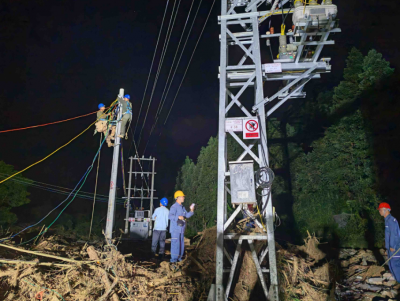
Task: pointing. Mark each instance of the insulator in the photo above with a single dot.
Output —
(272, 30)
(282, 41)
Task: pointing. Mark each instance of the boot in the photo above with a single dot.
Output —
(161, 257)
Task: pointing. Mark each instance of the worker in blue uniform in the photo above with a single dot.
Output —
(392, 240)
(178, 216)
(126, 114)
(160, 216)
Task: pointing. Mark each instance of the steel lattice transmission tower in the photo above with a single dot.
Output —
(298, 62)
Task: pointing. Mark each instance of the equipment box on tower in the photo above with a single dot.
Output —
(242, 182)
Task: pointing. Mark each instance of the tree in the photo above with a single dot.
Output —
(199, 183)
(13, 194)
(335, 186)
(337, 178)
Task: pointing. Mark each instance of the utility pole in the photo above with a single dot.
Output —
(114, 173)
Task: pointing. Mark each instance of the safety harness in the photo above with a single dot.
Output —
(128, 109)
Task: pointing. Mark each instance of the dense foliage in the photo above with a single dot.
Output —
(199, 183)
(334, 186)
(12, 194)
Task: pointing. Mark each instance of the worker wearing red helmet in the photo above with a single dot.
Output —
(392, 239)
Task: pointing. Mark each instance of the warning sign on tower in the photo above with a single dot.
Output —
(251, 129)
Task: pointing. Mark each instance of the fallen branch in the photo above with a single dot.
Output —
(198, 264)
(158, 282)
(104, 278)
(13, 261)
(109, 290)
(45, 255)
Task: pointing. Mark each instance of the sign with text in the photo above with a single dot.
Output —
(273, 68)
(233, 125)
(251, 129)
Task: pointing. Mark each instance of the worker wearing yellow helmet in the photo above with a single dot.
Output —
(178, 216)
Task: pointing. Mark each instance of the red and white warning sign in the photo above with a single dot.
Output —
(251, 129)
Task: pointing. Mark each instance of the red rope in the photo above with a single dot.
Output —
(35, 126)
(39, 295)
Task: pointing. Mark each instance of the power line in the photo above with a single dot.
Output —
(176, 68)
(187, 68)
(33, 182)
(176, 52)
(160, 66)
(81, 195)
(151, 66)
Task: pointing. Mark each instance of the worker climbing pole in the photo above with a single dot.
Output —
(297, 63)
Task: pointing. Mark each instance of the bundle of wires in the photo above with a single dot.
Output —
(62, 191)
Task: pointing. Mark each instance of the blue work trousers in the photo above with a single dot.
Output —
(394, 265)
(177, 246)
(158, 237)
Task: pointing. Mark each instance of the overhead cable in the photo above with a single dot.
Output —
(82, 196)
(160, 61)
(187, 68)
(176, 68)
(151, 66)
(44, 185)
(176, 52)
(159, 69)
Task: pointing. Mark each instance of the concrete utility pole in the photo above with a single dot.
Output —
(114, 173)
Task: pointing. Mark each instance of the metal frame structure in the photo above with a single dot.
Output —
(150, 190)
(242, 75)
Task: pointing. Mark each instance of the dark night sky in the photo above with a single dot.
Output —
(59, 59)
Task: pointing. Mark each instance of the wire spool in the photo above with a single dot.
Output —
(264, 177)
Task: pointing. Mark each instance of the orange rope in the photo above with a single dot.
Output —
(35, 126)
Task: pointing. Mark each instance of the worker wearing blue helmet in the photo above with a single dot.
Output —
(126, 114)
(101, 123)
(160, 216)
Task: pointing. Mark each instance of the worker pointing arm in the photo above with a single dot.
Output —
(177, 215)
